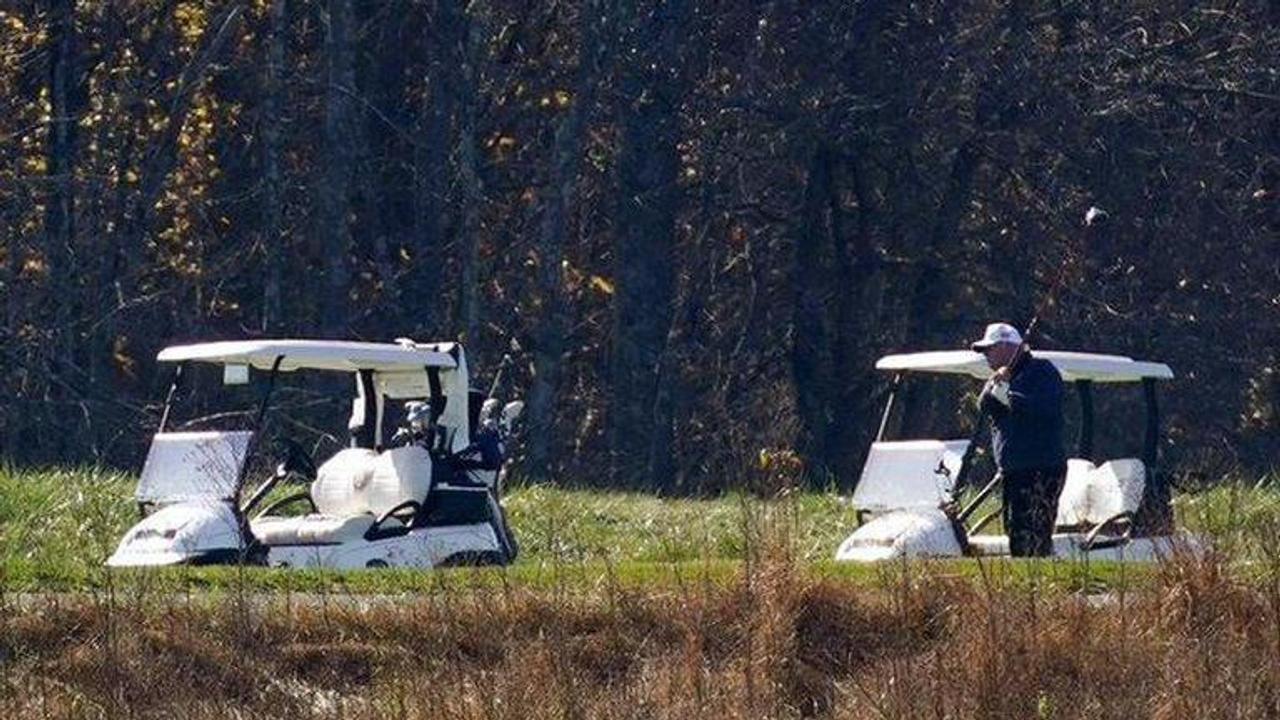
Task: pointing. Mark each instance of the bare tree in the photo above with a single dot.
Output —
(60, 207)
(431, 161)
(59, 241)
(335, 186)
(549, 333)
(650, 90)
(470, 189)
(273, 228)
(813, 365)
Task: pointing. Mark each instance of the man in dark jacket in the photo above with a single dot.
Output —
(1023, 398)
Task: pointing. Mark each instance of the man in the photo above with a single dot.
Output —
(1023, 398)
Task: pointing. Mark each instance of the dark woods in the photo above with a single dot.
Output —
(702, 221)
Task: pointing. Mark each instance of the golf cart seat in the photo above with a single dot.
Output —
(352, 491)
(1093, 495)
(1094, 510)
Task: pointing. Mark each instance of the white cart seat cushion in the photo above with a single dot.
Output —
(339, 485)
(399, 475)
(360, 481)
(315, 529)
(1092, 494)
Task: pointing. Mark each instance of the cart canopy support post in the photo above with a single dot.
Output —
(168, 400)
(888, 406)
(1155, 514)
(1084, 441)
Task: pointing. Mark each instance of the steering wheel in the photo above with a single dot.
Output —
(292, 459)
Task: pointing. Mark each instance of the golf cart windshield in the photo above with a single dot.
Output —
(909, 474)
(186, 466)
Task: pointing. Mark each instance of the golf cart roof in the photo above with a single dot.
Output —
(316, 355)
(1072, 365)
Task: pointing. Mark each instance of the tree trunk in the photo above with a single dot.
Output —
(334, 196)
(932, 288)
(831, 272)
(811, 343)
(431, 168)
(59, 253)
(469, 181)
(549, 334)
(431, 162)
(640, 430)
(272, 173)
(60, 160)
(854, 266)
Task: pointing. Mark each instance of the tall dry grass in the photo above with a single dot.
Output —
(1196, 640)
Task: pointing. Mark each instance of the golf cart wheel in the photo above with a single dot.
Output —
(472, 558)
(230, 556)
(376, 564)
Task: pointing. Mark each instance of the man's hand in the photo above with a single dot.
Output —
(997, 390)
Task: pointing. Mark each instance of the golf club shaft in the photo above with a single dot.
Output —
(497, 377)
(962, 478)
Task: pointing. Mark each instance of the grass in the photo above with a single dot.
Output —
(58, 526)
(61, 524)
(575, 526)
(625, 606)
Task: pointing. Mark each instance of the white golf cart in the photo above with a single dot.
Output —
(910, 492)
(427, 498)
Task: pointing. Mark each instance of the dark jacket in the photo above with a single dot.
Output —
(484, 453)
(1027, 434)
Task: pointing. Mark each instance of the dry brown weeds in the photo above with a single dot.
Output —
(779, 643)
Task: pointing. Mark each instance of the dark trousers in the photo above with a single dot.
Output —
(1030, 508)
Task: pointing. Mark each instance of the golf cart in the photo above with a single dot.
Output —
(910, 494)
(428, 496)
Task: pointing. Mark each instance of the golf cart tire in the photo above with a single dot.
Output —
(473, 558)
(228, 556)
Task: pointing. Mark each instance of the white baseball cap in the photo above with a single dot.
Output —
(997, 334)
